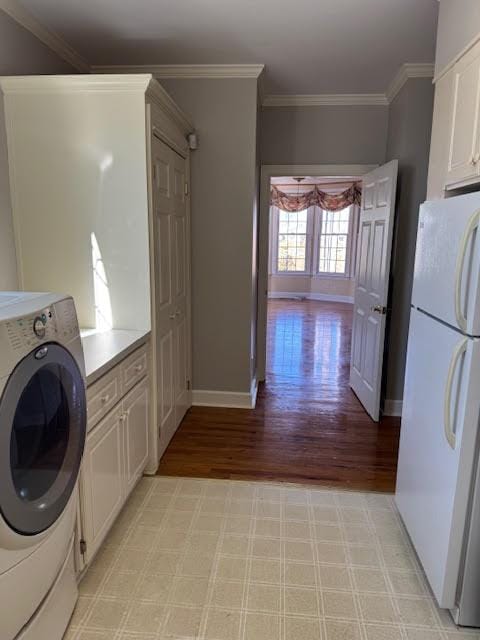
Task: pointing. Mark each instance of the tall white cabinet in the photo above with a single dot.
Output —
(99, 171)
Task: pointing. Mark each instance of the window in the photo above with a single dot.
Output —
(292, 241)
(312, 242)
(333, 242)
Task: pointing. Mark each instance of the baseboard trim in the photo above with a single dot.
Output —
(325, 297)
(227, 399)
(393, 408)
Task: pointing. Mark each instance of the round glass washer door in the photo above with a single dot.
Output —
(42, 437)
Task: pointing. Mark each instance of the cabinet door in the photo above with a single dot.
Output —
(464, 150)
(172, 288)
(181, 273)
(440, 142)
(102, 480)
(136, 411)
(163, 249)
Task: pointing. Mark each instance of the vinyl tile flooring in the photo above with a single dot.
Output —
(213, 559)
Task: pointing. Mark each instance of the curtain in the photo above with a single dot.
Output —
(316, 197)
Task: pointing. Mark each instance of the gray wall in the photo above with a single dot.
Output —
(409, 129)
(224, 184)
(324, 135)
(20, 53)
(458, 24)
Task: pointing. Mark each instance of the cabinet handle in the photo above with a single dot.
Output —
(138, 368)
(178, 312)
(172, 316)
(105, 399)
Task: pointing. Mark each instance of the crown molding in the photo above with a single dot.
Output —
(407, 71)
(71, 83)
(187, 71)
(325, 99)
(53, 41)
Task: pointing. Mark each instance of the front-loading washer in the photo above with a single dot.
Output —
(42, 438)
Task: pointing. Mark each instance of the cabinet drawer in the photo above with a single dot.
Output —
(102, 396)
(134, 368)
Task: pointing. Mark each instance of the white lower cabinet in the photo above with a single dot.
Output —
(136, 408)
(102, 485)
(115, 457)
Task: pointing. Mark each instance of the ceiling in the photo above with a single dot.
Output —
(308, 46)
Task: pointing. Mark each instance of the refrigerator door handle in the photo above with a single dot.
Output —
(469, 229)
(449, 427)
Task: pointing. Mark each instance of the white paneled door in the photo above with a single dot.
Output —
(172, 284)
(371, 285)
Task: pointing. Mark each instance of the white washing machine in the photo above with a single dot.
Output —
(42, 437)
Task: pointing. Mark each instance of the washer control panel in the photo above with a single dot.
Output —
(29, 331)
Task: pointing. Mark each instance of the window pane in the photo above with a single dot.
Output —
(292, 240)
(333, 241)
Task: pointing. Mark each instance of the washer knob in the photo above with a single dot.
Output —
(39, 327)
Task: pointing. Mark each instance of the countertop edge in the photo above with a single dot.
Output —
(115, 357)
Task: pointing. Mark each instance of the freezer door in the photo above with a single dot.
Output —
(447, 262)
(437, 447)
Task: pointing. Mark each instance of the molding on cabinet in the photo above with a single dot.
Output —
(458, 57)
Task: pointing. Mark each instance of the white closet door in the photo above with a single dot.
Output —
(172, 287)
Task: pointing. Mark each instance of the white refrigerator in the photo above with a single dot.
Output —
(438, 485)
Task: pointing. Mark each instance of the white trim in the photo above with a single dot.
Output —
(187, 71)
(393, 408)
(295, 295)
(70, 83)
(325, 99)
(52, 40)
(228, 399)
(407, 71)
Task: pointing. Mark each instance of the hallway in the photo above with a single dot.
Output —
(308, 426)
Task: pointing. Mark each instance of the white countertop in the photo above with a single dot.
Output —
(104, 349)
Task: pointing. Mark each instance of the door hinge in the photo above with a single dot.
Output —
(188, 385)
(83, 547)
(186, 188)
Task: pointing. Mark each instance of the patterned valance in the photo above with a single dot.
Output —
(316, 197)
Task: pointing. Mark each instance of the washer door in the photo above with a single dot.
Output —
(42, 437)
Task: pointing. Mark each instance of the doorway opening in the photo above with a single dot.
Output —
(313, 228)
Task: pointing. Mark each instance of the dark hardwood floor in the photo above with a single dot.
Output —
(308, 425)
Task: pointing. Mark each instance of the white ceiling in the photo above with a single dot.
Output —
(308, 46)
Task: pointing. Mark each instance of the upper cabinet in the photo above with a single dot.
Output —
(455, 145)
(464, 156)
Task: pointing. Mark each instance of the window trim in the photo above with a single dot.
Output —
(314, 227)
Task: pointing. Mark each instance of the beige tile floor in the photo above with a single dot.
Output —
(230, 560)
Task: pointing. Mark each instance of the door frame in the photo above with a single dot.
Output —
(268, 171)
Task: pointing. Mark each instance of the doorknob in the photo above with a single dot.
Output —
(379, 309)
